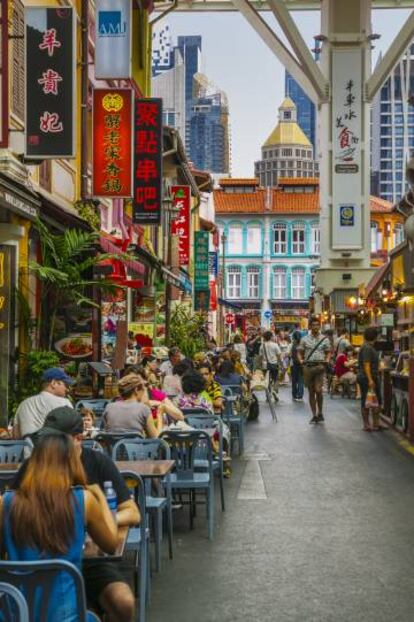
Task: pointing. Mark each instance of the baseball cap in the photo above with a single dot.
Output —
(64, 420)
(56, 373)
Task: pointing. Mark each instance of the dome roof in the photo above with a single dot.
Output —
(287, 131)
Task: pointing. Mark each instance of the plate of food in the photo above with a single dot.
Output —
(75, 346)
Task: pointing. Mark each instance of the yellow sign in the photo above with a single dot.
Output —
(139, 328)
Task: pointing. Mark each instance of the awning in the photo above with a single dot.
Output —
(376, 280)
(178, 280)
(110, 247)
(231, 305)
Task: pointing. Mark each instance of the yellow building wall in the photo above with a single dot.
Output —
(386, 222)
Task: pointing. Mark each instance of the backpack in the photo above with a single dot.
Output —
(253, 409)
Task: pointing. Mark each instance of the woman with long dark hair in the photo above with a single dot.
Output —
(46, 517)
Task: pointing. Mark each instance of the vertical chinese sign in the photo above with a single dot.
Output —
(112, 143)
(147, 201)
(4, 75)
(7, 324)
(180, 226)
(347, 180)
(50, 82)
(201, 271)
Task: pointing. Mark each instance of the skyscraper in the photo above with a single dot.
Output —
(192, 104)
(393, 129)
(306, 111)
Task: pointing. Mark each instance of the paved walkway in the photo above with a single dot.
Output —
(330, 537)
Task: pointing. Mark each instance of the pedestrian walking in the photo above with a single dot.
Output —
(315, 350)
(369, 382)
(296, 368)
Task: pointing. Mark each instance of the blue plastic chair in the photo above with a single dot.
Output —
(14, 451)
(186, 448)
(90, 443)
(151, 449)
(210, 423)
(235, 421)
(108, 439)
(97, 405)
(36, 580)
(138, 543)
(13, 604)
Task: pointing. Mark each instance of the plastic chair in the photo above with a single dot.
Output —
(108, 440)
(90, 443)
(212, 423)
(97, 405)
(235, 421)
(137, 542)
(36, 581)
(186, 447)
(13, 603)
(14, 451)
(151, 449)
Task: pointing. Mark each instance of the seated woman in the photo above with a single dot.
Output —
(46, 517)
(128, 414)
(194, 393)
(227, 376)
(89, 428)
(172, 384)
(345, 374)
(151, 370)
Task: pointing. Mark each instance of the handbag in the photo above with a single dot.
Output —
(371, 400)
(314, 350)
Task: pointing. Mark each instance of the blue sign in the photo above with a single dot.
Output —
(267, 315)
(111, 24)
(213, 263)
(347, 215)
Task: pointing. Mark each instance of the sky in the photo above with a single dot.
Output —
(239, 63)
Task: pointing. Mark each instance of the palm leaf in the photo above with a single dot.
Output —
(48, 274)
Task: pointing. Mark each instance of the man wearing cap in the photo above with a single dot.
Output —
(105, 585)
(32, 412)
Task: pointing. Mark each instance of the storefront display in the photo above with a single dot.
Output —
(113, 310)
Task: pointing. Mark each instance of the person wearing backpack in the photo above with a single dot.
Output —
(314, 353)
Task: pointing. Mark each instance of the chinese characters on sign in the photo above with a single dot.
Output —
(148, 162)
(347, 143)
(181, 224)
(112, 143)
(201, 271)
(347, 135)
(50, 82)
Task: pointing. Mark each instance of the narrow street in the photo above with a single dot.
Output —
(332, 541)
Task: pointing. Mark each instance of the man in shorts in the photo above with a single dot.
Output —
(314, 352)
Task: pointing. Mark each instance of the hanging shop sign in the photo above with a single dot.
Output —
(202, 301)
(113, 39)
(50, 82)
(4, 75)
(213, 263)
(112, 144)
(346, 141)
(201, 275)
(147, 201)
(181, 199)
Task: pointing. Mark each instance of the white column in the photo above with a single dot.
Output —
(344, 146)
(266, 305)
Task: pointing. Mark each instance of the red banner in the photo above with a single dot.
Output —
(112, 143)
(181, 200)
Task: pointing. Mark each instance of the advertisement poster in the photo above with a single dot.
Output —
(113, 20)
(160, 316)
(148, 148)
(112, 144)
(50, 83)
(113, 309)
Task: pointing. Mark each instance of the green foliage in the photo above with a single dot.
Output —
(187, 330)
(89, 212)
(31, 368)
(65, 273)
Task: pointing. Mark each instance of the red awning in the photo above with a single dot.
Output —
(110, 247)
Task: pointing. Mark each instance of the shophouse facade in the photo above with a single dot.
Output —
(272, 244)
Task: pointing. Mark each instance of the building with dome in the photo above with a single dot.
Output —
(287, 152)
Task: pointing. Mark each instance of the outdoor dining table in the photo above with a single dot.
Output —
(92, 552)
(147, 468)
